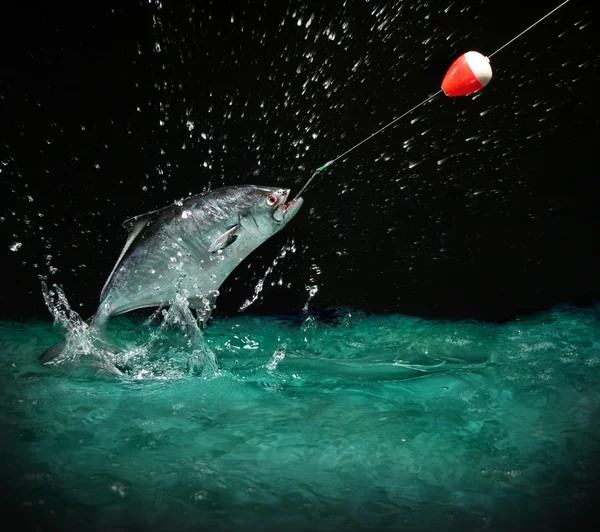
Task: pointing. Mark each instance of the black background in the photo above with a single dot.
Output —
(498, 217)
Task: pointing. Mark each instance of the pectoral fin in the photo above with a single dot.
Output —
(226, 239)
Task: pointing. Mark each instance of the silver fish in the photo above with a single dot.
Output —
(189, 248)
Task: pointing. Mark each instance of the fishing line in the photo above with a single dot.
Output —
(530, 27)
(329, 163)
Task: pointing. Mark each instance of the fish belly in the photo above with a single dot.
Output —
(154, 278)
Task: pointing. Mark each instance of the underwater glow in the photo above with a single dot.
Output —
(339, 422)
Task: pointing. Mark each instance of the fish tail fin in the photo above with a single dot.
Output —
(95, 323)
(52, 352)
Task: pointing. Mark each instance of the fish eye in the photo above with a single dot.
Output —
(272, 200)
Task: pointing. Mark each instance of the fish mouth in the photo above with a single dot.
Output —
(288, 209)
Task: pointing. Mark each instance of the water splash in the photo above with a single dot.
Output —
(168, 345)
(313, 287)
(80, 338)
(312, 292)
(277, 357)
(260, 284)
(308, 328)
(175, 348)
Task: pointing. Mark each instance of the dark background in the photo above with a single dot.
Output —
(478, 207)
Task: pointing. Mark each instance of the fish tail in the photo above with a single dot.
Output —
(95, 323)
(52, 352)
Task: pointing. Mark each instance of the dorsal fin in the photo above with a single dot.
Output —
(135, 226)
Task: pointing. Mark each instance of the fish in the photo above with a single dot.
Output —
(188, 249)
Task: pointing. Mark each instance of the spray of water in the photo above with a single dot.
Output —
(260, 284)
(82, 342)
(313, 287)
(277, 357)
(174, 348)
(168, 345)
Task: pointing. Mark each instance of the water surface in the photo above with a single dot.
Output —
(350, 422)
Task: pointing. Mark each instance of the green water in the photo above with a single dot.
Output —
(349, 423)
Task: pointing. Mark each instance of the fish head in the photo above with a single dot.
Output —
(271, 211)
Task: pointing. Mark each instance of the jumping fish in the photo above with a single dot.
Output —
(189, 248)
